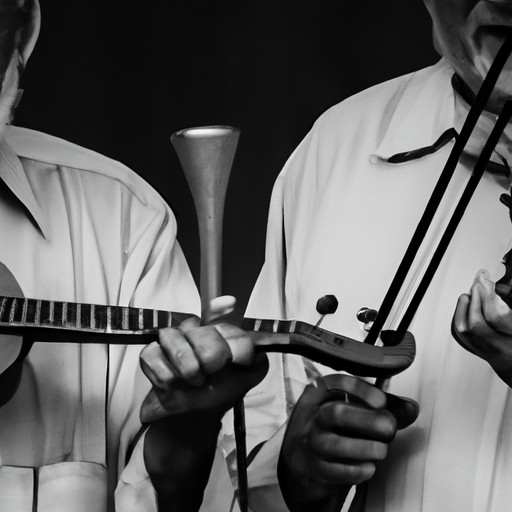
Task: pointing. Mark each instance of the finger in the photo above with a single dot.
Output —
(333, 447)
(460, 317)
(181, 356)
(219, 308)
(337, 386)
(189, 323)
(239, 342)
(221, 393)
(405, 410)
(475, 319)
(461, 329)
(211, 349)
(156, 366)
(495, 311)
(486, 308)
(351, 420)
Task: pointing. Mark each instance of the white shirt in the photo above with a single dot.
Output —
(77, 226)
(340, 219)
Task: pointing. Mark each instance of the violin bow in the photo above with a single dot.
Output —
(478, 106)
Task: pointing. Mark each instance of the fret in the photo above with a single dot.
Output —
(155, 318)
(3, 307)
(92, 317)
(12, 311)
(64, 314)
(109, 319)
(169, 319)
(24, 312)
(141, 319)
(78, 321)
(37, 315)
(51, 312)
(125, 318)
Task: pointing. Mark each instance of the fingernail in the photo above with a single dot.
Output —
(483, 273)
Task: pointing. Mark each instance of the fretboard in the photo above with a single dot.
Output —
(69, 322)
(54, 317)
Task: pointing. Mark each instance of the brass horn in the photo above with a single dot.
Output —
(206, 154)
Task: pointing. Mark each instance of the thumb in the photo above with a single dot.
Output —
(219, 308)
(405, 410)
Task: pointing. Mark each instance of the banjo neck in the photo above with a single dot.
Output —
(69, 322)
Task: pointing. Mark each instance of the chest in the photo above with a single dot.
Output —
(351, 244)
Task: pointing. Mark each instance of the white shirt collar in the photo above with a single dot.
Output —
(402, 130)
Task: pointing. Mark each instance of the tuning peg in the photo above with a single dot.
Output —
(367, 316)
(326, 305)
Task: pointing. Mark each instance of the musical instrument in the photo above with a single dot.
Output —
(69, 322)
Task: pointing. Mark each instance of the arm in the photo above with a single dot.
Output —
(197, 374)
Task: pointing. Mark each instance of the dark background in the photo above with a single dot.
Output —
(119, 77)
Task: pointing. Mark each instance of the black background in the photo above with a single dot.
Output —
(119, 77)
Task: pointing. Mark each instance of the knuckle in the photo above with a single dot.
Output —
(209, 353)
(379, 451)
(385, 423)
(186, 362)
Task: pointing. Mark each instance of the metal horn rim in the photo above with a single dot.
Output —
(204, 132)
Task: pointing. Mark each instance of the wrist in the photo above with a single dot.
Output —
(178, 454)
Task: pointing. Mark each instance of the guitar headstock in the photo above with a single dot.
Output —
(330, 349)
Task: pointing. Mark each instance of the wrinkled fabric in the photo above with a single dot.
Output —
(340, 219)
(77, 226)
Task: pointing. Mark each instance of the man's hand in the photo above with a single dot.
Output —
(197, 373)
(199, 368)
(339, 429)
(482, 324)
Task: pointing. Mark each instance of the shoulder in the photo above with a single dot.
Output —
(373, 105)
(91, 166)
(354, 127)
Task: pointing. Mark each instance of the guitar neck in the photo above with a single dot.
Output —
(70, 322)
(49, 320)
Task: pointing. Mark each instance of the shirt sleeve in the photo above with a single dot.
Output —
(156, 276)
(135, 492)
